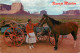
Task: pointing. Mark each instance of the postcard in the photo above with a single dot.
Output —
(39, 26)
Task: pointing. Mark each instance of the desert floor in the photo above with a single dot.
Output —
(44, 47)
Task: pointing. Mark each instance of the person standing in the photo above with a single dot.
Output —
(31, 38)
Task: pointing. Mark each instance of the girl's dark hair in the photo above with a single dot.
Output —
(29, 20)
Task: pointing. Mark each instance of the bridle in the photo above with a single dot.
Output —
(42, 22)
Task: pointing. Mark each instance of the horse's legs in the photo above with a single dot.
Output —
(74, 44)
(56, 41)
(74, 34)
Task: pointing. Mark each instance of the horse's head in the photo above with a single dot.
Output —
(43, 20)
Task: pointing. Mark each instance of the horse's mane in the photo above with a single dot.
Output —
(55, 22)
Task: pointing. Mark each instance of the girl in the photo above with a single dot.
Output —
(31, 38)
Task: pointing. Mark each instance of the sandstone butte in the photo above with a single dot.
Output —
(15, 8)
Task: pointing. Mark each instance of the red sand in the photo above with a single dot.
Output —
(44, 47)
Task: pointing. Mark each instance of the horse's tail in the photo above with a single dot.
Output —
(74, 33)
(75, 29)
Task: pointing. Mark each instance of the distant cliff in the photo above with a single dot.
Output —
(43, 12)
(71, 12)
(15, 8)
(5, 7)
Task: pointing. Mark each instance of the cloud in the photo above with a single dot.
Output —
(38, 5)
(6, 1)
(35, 3)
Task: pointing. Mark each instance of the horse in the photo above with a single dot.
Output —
(59, 28)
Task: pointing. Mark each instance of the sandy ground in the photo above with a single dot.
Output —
(43, 47)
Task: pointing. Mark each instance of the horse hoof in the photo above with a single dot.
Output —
(55, 48)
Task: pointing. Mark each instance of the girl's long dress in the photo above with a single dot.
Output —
(31, 39)
(30, 31)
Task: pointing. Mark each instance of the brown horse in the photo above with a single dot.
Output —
(59, 28)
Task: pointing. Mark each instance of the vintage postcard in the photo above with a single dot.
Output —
(39, 26)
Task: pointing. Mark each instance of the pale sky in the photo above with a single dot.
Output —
(38, 5)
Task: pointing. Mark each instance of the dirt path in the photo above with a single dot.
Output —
(44, 47)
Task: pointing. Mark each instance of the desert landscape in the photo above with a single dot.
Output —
(44, 46)
(16, 13)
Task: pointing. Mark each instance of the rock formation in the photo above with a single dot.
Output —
(15, 8)
(43, 12)
(36, 13)
(4, 7)
(71, 12)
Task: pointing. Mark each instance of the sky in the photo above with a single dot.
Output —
(38, 5)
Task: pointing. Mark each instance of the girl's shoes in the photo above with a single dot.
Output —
(30, 47)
